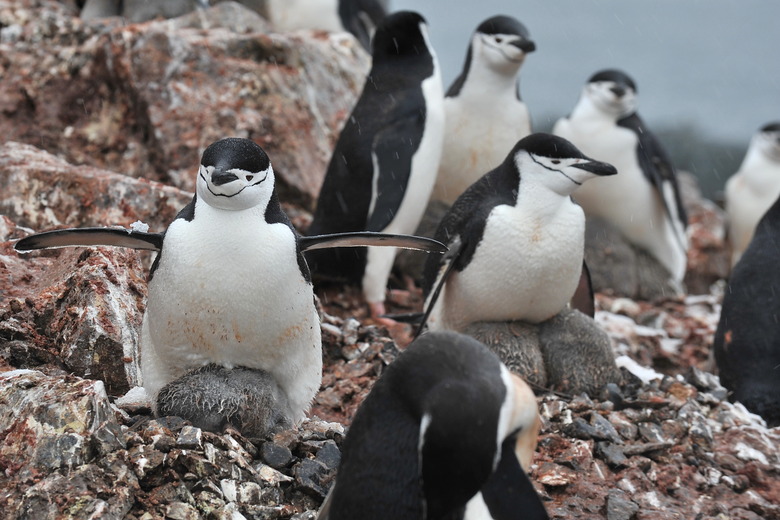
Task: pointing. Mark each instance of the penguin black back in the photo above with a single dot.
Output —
(386, 124)
(747, 341)
(440, 404)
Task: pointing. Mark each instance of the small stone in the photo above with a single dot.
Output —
(310, 475)
(603, 429)
(612, 454)
(651, 432)
(190, 437)
(580, 429)
(271, 476)
(350, 331)
(619, 506)
(329, 455)
(555, 475)
(624, 427)
(700, 432)
(181, 511)
(276, 456)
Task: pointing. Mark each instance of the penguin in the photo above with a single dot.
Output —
(446, 432)
(515, 239)
(753, 188)
(230, 285)
(359, 17)
(747, 340)
(644, 201)
(384, 164)
(484, 113)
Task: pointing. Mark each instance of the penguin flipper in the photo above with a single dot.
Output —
(369, 239)
(583, 299)
(448, 263)
(658, 169)
(91, 237)
(392, 156)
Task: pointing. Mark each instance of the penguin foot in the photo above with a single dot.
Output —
(214, 398)
(378, 314)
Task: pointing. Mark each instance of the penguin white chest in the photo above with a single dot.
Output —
(477, 137)
(228, 290)
(526, 267)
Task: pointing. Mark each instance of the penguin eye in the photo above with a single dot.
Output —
(499, 39)
(249, 178)
(556, 161)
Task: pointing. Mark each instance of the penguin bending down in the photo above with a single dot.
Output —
(446, 432)
(753, 189)
(230, 285)
(747, 341)
(643, 202)
(515, 238)
(383, 167)
(484, 114)
(359, 17)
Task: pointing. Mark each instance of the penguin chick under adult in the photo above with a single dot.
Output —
(446, 432)
(230, 285)
(359, 17)
(515, 238)
(384, 164)
(643, 202)
(747, 341)
(753, 188)
(485, 115)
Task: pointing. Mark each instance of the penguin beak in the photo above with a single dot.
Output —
(220, 177)
(618, 90)
(595, 167)
(524, 45)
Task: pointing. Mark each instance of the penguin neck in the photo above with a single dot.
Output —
(586, 112)
(541, 201)
(229, 217)
(485, 85)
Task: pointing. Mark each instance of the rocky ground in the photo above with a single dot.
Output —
(103, 123)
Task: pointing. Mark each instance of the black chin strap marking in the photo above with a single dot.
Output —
(553, 170)
(208, 187)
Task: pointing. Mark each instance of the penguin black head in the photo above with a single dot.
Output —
(499, 43)
(768, 140)
(235, 174)
(555, 163)
(403, 33)
(612, 91)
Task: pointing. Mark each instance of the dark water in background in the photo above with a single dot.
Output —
(707, 71)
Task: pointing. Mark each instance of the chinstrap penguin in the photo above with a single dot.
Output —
(484, 114)
(747, 341)
(515, 238)
(446, 432)
(384, 164)
(359, 17)
(643, 202)
(753, 188)
(230, 285)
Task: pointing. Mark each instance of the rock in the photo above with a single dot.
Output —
(622, 268)
(146, 99)
(48, 427)
(619, 506)
(41, 191)
(276, 456)
(708, 254)
(577, 354)
(84, 315)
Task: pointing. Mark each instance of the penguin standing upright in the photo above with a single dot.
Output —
(383, 167)
(230, 286)
(643, 202)
(747, 341)
(754, 188)
(446, 432)
(359, 17)
(485, 115)
(515, 239)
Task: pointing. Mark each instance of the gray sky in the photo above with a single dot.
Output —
(712, 64)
